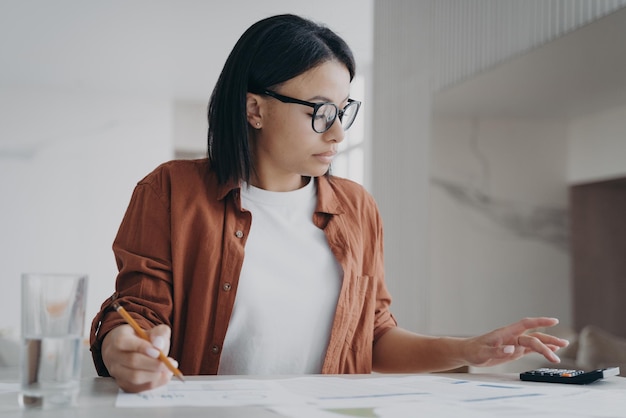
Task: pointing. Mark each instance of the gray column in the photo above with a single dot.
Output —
(401, 112)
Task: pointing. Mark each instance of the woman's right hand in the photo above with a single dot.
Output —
(133, 361)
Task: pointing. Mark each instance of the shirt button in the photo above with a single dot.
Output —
(215, 349)
(226, 287)
(239, 234)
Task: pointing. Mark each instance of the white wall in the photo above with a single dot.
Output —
(498, 214)
(597, 146)
(190, 128)
(498, 223)
(68, 164)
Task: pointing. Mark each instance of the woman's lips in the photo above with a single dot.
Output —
(326, 157)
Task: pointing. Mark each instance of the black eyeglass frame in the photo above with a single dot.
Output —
(316, 106)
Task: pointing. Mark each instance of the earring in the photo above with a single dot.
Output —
(258, 124)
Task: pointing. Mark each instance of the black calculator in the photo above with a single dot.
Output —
(572, 376)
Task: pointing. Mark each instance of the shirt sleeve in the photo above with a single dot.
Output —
(384, 319)
(143, 255)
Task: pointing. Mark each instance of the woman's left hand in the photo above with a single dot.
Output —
(514, 341)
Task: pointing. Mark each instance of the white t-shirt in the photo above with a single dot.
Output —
(288, 288)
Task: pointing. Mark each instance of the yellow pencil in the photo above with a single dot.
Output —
(143, 335)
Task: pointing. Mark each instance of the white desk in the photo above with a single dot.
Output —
(98, 395)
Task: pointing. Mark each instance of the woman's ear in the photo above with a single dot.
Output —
(253, 110)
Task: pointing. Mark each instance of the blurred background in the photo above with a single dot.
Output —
(493, 136)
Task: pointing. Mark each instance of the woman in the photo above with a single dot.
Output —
(257, 260)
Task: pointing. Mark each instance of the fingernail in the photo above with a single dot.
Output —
(509, 349)
(158, 342)
(152, 352)
(174, 362)
(556, 358)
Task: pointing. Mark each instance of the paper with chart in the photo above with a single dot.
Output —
(242, 392)
(339, 393)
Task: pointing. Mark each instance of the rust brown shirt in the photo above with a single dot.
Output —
(180, 249)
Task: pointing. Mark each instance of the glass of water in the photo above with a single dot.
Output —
(53, 318)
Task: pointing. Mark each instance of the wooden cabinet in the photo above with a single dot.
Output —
(598, 240)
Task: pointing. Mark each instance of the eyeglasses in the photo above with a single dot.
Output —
(324, 114)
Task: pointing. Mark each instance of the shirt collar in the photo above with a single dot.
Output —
(224, 189)
(327, 199)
